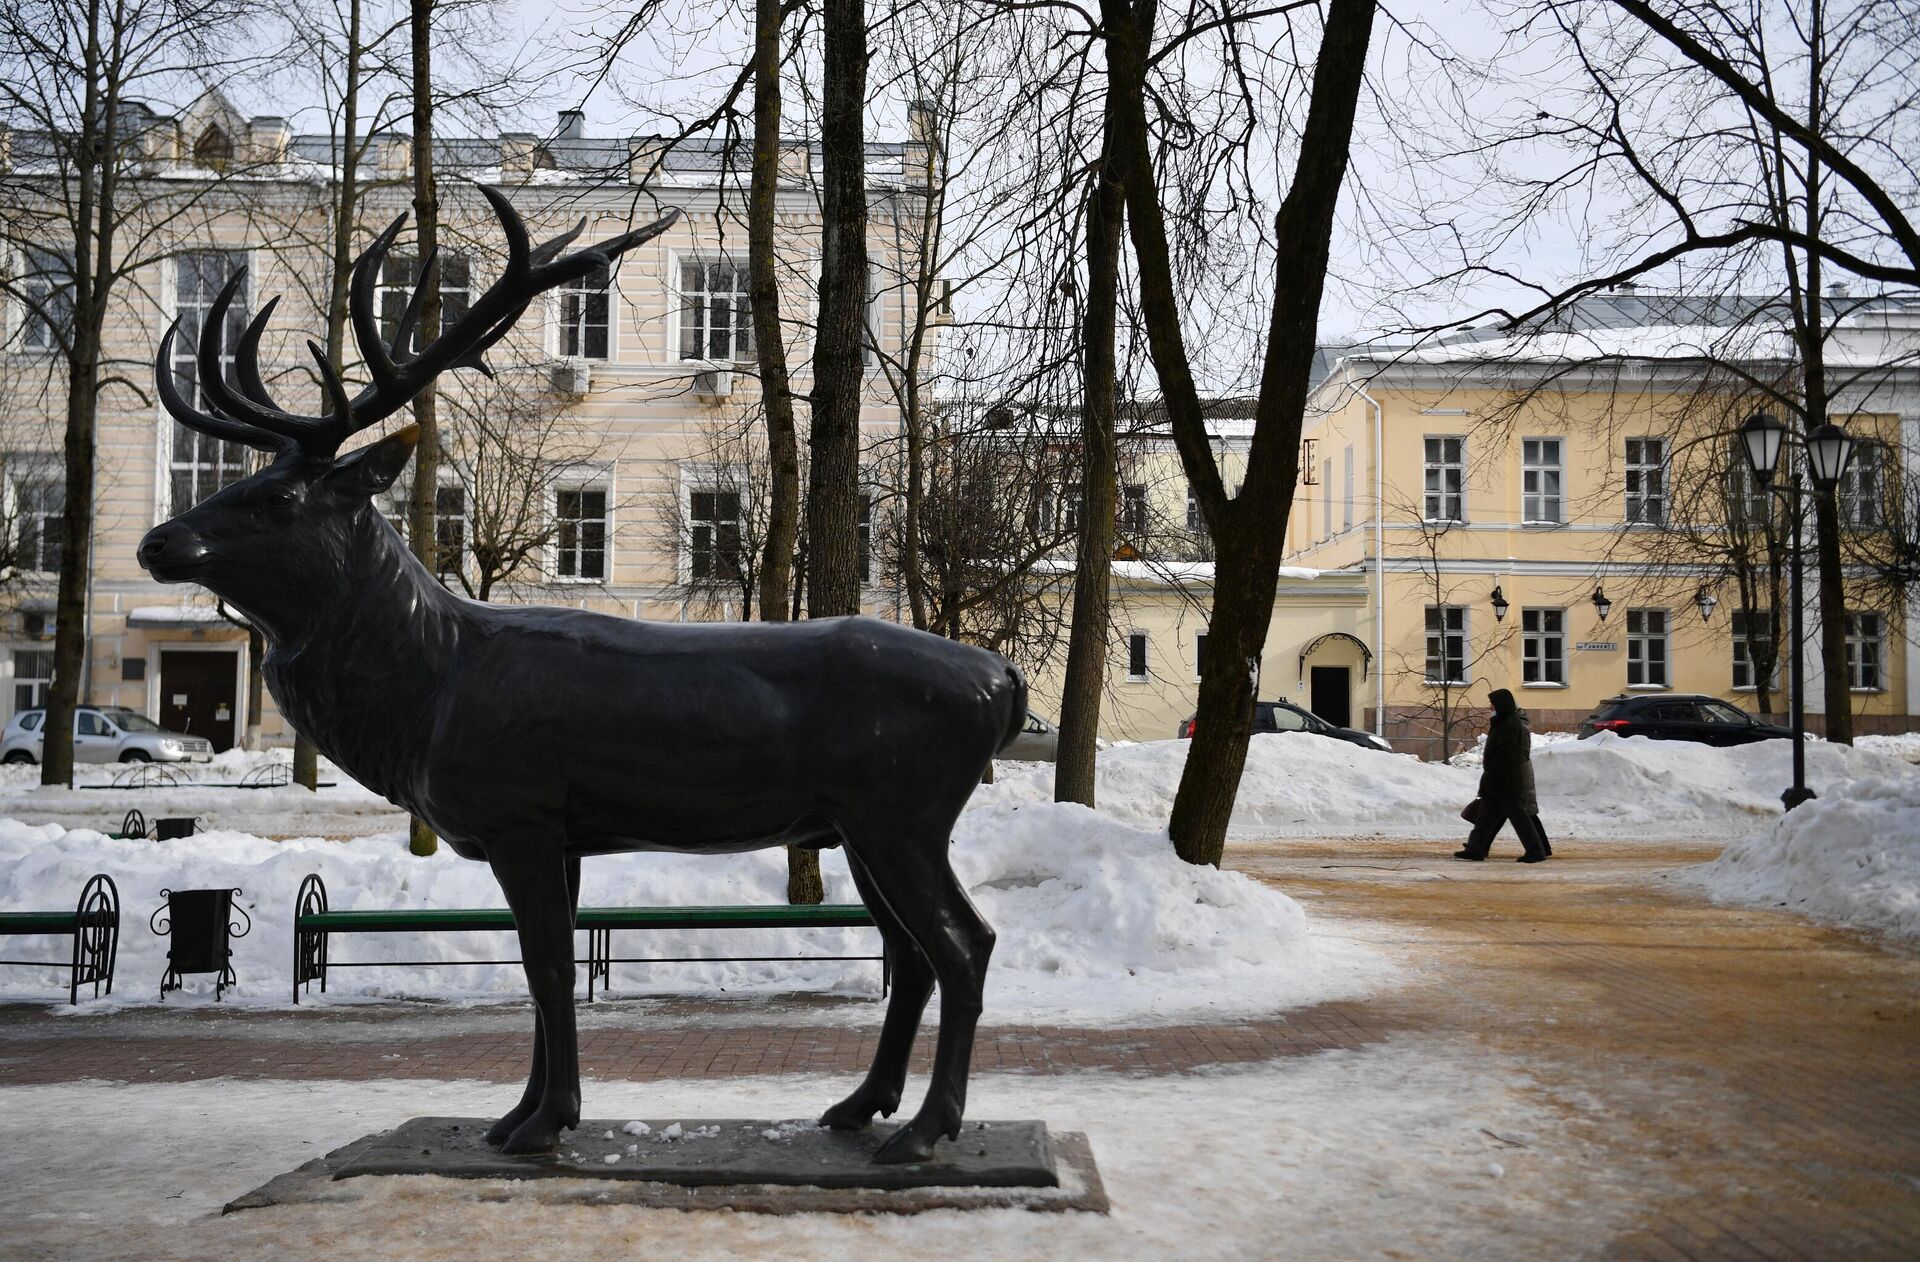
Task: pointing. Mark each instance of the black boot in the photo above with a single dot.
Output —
(1536, 857)
(1468, 855)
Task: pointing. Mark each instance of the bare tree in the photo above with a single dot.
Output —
(83, 220)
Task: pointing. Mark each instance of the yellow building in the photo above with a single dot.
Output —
(1550, 516)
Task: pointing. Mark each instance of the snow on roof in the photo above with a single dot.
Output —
(1168, 572)
(177, 616)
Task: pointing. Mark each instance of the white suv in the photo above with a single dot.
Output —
(104, 734)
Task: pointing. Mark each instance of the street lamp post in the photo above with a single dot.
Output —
(1828, 448)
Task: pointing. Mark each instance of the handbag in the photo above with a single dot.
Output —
(1472, 811)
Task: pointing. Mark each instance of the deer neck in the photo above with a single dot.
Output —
(360, 673)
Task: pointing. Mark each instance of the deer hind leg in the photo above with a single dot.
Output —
(538, 892)
(920, 889)
(880, 1091)
(537, 1075)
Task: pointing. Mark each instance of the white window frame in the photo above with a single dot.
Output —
(385, 289)
(1749, 501)
(1196, 522)
(1646, 507)
(232, 460)
(679, 261)
(396, 504)
(44, 288)
(1535, 661)
(1858, 492)
(1346, 491)
(1640, 654)
(38, 683)
(1866, 630)
(584, 482)
(30, 475)
(1199, 654)
(1742, 662)
(1136, 516)
(1436, 467)
(1464, 631)
(1543, 481)
(1139, 640)
(557, 308)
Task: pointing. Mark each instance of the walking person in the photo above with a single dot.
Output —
(1506, 785)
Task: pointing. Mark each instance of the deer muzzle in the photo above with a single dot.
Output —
(171, 552)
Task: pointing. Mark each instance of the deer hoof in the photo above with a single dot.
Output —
(498, 1133)
(910, 1144)
(540, 1133)
(855, 1113)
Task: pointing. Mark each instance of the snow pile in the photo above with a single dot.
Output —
(1096, 920)
(1902, 745)
(1607, 786)
(1852, 858)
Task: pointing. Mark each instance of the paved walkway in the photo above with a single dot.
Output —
(1772, 1066)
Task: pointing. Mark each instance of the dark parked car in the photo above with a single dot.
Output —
(1284, 716)
(1668, 716)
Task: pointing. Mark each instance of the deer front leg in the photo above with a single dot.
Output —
(537, 1075)
(537, 890)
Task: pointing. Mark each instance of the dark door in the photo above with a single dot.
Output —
(1332, 694)
(197, 694)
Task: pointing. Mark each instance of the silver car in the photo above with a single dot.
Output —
(104, 734)
(1038, 741)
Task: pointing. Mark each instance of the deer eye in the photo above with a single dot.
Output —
(282, 495)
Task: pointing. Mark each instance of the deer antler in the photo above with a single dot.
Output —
(241, 409)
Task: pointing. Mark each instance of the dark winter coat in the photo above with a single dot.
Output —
(1506, 774)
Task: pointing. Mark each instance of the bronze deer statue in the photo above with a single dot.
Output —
(704, 739)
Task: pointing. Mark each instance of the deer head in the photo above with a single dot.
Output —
(289, 530)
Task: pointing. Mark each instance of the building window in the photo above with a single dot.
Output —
(863, 537)
(1195, 523)
(1446, 479)
(1647, 648)
(1064, 508)
(40, 500)
(1137, 655)
(1646, 481)
(47, 287)
(201, 464)
(1346, 491)
(1859, 486)
(401, 272)
(716, 320)
(583, 315)
(1133, 509)
(1446, 644)
(1326, 495)
(1747, 626)
(32, 676)
(1748, 503)
(713, 551)
(449, 522)
(1199, 655)
(580, 534)
(1864, 652)
(1543, 646)
(1540, 477)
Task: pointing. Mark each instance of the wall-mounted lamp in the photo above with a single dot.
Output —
(1500, 605)
(1601, 605)
(1706, 600)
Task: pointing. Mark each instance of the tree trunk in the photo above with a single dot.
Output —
(833, 484)
(1249, 530)
(426, 211)
(76, 523)
(1086, 669)
(804, 884)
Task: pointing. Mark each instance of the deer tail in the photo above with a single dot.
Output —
(1016, 706)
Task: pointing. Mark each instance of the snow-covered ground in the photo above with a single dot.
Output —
(1424, 1149)
(1606, 787)
(1851, 857)
(1098, 921)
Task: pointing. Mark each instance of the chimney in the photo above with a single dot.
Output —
(1837, 289)
(920, 165)
(573, 125)
(796, 156)
(394, 155)
(643, 153)
(268, 140)
(519, 152)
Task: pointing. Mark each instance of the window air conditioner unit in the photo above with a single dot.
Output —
(713, 383)
(572, 377)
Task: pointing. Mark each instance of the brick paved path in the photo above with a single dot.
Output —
(42, 1051)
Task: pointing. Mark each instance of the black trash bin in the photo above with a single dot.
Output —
(200, 931)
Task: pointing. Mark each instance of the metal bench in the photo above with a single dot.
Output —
(314, 925)
(94, 926)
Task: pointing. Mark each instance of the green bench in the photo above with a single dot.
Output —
(314, 926)
(94, 926)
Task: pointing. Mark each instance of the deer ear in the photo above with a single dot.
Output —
(373, 468)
